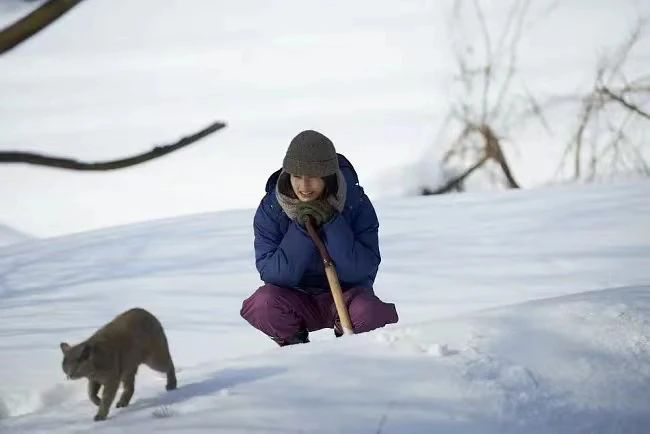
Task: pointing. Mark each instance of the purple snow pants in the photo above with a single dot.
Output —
(282, 312)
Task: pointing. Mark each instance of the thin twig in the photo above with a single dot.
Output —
(488, 66)
(537, 110)
(606, 91)
(512, 58)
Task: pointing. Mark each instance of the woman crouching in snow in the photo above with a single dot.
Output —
(314, 181)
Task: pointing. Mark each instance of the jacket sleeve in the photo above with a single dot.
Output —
(281, 259)
(354, 248)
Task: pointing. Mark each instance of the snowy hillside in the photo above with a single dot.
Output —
(519, 312)
(11, 236)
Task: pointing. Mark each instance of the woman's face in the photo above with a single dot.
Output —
(307, 188)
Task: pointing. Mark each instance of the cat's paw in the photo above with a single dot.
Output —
(100, 417)
(121, 404)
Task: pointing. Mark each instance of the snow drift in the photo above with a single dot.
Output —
(520, 311)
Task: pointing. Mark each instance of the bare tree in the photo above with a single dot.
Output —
(606, 140)
(486, 105)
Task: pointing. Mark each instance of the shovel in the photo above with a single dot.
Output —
(332, 278)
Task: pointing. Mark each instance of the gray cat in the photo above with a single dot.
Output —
(113, 354)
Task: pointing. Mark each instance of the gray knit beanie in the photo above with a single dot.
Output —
(311, 154)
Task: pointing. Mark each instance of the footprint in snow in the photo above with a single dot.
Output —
(162, 412)
(407, 340)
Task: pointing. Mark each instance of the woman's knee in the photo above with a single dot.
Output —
(262, 300)
(259, 299)
(367, 312)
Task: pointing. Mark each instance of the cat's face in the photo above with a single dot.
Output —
(77, 360)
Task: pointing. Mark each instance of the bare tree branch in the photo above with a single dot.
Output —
(65, 163)
(584, 121)
(493, 150)
(616, 62)
(34, 22)
(518, 16)
(610, 98)
(489, 61)
(537, 110)
(623, 102)
(638, 156)
(503, 37)
(456, 144)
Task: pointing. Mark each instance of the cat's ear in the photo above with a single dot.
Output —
(64, 347)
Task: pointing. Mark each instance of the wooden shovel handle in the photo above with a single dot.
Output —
(332, 278)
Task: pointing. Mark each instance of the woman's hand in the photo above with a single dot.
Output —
(320, 210)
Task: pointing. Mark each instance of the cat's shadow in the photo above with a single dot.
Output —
(215, 382)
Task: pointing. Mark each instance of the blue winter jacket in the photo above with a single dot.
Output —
(285, 255)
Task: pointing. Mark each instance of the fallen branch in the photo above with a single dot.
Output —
(65, 163)
(455, 183)
(34, 22)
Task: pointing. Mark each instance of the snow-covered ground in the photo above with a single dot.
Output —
(522, 311)
(11, 236)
